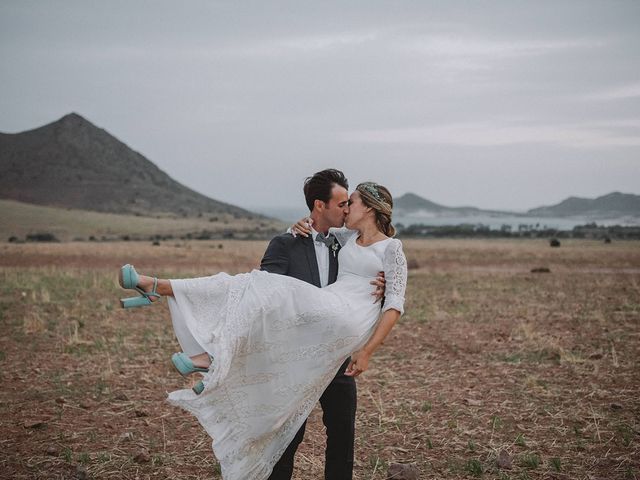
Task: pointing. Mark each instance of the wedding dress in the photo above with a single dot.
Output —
(277, 342)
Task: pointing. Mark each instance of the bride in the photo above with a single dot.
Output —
(268, 345)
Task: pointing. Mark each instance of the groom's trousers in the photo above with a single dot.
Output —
(338, 404)
(296, 257)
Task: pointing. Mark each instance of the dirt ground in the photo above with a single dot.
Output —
(489, 358)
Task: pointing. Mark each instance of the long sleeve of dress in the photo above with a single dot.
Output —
(395, 273)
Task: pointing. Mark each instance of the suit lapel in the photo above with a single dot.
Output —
(313, 262)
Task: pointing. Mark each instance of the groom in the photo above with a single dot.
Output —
(314, 259)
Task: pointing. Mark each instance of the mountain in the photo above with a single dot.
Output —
(74, 164)
(412, 204)
(613, 205)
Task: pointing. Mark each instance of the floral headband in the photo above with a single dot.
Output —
(372, 189)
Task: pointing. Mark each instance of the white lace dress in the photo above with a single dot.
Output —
(277, 342)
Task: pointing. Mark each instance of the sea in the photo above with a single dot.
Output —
(515, 221)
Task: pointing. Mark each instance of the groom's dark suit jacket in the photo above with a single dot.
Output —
(296, 257)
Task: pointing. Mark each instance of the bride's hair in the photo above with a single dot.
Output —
(378, 198)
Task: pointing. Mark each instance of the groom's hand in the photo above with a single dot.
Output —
(379, 283)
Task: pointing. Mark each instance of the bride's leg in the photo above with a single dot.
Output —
(163, 288)
(202, 360)
(189, 345)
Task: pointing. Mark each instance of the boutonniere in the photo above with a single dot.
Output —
(334, 248)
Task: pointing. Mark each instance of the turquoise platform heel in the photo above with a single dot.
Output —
(129, 279)
(198, 388)
(184, 365)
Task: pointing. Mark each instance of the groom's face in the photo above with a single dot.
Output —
(337, 208)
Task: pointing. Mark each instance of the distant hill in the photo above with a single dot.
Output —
(613, 205)
(74, 164)
(412, 204)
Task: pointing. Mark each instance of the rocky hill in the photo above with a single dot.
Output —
(410, 203)
(72, 163)
(613, 205)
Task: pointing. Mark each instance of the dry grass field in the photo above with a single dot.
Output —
(489, 358)
(21, 219)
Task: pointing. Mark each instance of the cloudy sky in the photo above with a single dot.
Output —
(505, 105)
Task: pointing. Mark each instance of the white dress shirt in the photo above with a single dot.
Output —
(322, 257)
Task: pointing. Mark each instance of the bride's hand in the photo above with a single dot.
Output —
(302, 227)
(359, 363)
(380, 284)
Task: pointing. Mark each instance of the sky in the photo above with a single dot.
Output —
(495, 104)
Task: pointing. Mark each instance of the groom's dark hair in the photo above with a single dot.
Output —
(319, 186)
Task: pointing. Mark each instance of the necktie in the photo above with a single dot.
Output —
(328, 241)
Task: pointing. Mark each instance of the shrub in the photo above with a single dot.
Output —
(42, 237)
(412, 264)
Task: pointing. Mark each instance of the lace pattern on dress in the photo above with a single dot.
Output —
(395, 273)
